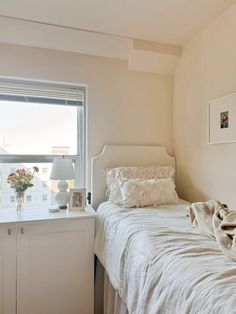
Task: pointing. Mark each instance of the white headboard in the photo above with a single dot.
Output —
(116, 156)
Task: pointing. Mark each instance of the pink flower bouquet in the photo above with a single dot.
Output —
(21, 179)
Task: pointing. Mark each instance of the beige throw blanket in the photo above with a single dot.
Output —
(215, 220)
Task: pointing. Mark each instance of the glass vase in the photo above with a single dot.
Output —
(19, 201)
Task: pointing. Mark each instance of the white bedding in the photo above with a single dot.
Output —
(159, 263)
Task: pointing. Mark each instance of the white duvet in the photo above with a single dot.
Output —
(159, 263)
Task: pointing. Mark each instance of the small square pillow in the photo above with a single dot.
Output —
(141, 193)
(112, 176)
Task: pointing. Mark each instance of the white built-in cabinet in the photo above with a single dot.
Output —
(46, 263)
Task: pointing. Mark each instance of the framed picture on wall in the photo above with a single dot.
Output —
(77, 199)
(222, 120)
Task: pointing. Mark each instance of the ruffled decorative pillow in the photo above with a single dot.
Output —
(113, 189)
(141, 193)
(144, 173)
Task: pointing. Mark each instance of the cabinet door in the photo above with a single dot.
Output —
(55, 267)
(7, 269)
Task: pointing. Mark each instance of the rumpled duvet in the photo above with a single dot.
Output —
(160, 264)
(217, 221)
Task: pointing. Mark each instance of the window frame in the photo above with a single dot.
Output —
(79, 160)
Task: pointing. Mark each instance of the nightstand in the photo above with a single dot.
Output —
(47, 262)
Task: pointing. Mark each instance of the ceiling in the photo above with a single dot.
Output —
(166, 21)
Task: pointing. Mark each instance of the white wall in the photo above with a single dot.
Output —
(124, 107)
(206, 71)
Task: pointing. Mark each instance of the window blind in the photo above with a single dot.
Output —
(40, 92)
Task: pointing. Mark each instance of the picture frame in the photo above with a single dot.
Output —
(77, 200)
(221, 120)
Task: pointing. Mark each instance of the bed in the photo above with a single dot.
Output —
(155, 261)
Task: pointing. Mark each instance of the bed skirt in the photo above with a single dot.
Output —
(107, 299)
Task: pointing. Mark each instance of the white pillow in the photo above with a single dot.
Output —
(146, 173)
(141, 193)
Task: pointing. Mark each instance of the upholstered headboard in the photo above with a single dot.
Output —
(115, 156)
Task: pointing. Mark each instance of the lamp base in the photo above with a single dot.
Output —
(62, 197)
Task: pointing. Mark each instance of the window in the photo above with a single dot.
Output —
(44, 197)
(44, 184)
(28, 198)
(44, 170)
(12, 199)
(47, 120)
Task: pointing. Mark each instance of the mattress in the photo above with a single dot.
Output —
(159, 263)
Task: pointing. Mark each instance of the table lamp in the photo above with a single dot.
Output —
(62, 170)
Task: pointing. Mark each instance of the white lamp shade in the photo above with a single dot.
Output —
(62, 169)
